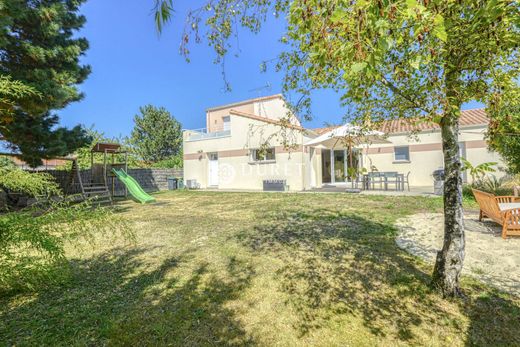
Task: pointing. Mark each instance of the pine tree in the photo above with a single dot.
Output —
(38, 50)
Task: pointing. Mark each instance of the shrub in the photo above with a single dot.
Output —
(170, 163)
(493, 185)
(6, 162)
(32, 240)
(17, 183)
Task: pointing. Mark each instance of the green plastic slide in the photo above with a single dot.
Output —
(133, 187)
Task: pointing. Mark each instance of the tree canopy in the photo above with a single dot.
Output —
(157, 135)
(39, 73)
(418, 60)
(504, 130)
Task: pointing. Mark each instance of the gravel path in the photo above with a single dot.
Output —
(488, 257)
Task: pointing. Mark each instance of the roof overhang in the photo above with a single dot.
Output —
(106, 147)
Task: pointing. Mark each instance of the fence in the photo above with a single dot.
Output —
(149, 179)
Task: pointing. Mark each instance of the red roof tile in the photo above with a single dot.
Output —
(467, 118)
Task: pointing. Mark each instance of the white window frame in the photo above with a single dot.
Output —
(226, 123)
(401, 160)
(253, 156)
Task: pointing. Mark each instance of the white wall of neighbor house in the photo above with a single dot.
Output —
(425, 154)
(236, 168)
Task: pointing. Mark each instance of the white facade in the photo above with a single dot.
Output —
(244, 145)
(425, 153)
(234, 145)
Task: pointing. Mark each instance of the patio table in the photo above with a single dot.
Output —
(382, 178)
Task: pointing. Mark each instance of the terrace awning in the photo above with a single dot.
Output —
(349, 135)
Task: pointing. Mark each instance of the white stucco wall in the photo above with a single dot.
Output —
(300, 165)
(236, 169)
(274, 109)
(424, 158)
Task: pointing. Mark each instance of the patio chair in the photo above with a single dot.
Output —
(406, 180)
(373, 178)
(392, 178)
(504, 210)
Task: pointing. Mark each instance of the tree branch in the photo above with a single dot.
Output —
(396, 90)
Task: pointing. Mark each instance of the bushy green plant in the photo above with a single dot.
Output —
(493, 185)
(157, 135)
(477, 172)
(174, 162)
(16, 183)
(504, 128)
(6, 162)
(24, 182)
(32, 240)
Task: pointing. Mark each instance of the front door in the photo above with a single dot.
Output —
(213, 169)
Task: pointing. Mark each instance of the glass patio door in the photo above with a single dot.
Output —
(325, 166)
(339, 166)
(355, 160)
(335, 164)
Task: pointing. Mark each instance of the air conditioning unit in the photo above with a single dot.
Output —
(275, 185)
(192, 184)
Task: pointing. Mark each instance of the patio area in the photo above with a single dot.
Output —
(342, 187)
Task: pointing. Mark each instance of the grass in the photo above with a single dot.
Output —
(258, 269)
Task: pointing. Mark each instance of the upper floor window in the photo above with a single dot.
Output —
(402, 153)
(227, 123)
(265, 154)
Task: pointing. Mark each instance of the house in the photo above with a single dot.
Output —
(231, 152)
(47, 164)
(247, 143)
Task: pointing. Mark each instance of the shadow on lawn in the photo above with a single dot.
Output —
(494, 318)
(337, 264)
(114, 299)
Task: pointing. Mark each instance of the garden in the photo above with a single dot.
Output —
(208, 268)
(198, 268)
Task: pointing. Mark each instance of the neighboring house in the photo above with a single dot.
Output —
(244, 144)
(47, 164)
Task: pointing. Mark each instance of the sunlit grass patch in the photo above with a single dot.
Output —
(259, 269)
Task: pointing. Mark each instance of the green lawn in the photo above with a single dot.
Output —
(258, 269)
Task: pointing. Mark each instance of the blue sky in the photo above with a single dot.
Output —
(132, 66)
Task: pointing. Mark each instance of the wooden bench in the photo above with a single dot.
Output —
(509, 219)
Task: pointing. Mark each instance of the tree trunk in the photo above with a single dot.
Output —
(448, 265)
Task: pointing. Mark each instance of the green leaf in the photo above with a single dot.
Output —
(338, 16)
(416, 63)
(358, 67)
(387, 43)
(411, 4)
(440, 31)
